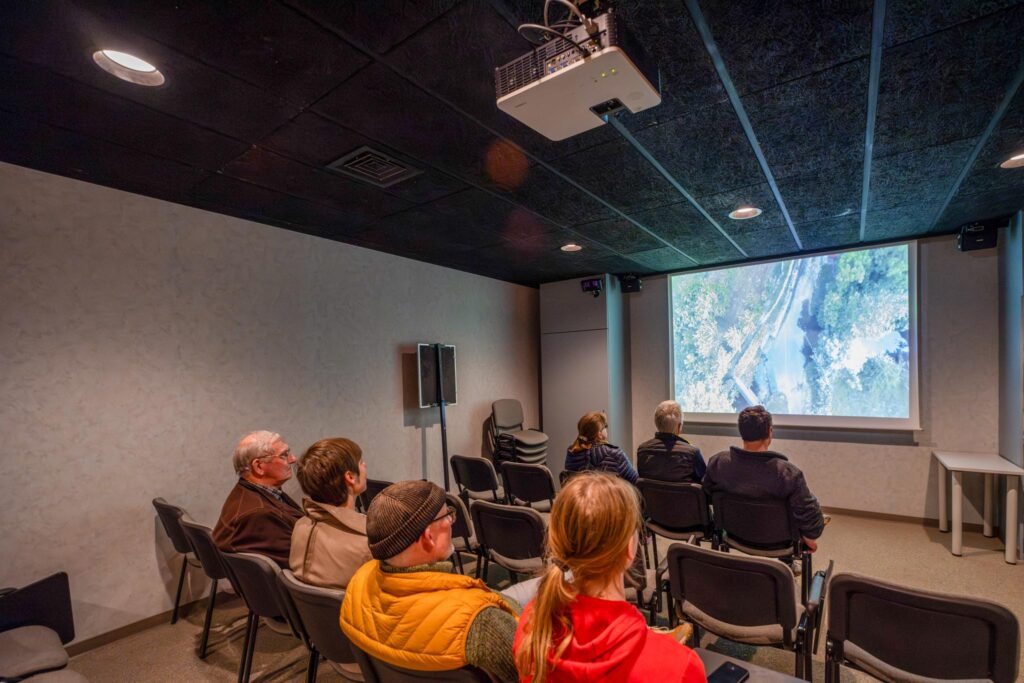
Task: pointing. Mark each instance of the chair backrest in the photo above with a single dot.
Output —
(318, 610)
(511, 531)
(46, 602)
(531, 483)
(754, 523)
(256, 577)
(170, 517)
(201, 539)
(376, 671)
(462, 527)
(676, 508)
(507, 415)
(923, 633)
(373, 487)
(474, 473)
(734, 590)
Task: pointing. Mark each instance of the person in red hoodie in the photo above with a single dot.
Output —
(584, 629)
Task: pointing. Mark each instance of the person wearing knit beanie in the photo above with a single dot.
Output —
(397, 604)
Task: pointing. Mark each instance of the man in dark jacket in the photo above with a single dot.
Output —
(258, 516)
(756, 472)
(668, 456)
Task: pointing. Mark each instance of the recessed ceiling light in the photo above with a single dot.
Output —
(572, 246)
(744, 212)
(1016, 161)
(128, 67)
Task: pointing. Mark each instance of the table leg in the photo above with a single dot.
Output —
(1012, 491)
(989, 477)
(943, 476)
(958, 513)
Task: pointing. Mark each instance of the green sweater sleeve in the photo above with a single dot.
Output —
(489, 644)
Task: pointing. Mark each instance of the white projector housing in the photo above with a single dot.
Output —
(559, 93)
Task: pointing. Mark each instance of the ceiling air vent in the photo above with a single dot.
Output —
(370, 166)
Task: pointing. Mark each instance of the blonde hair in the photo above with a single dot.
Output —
(589, 429)
(593, 520)
(668, 417)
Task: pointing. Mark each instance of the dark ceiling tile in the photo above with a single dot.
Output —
(239, 198)
(617, 173)
(551, 196)
(38, 93)
(427, 233)
(986, 175)
(661, 259)
(705, 150)
(390, 110)
(923, 176)
(765, 241)
(976, 207)
(899, 221)
(317, 141)
(909, 19)
(946, 86)
(36, 145)
(685, 228)
(621, 235)
(619, 265)
(361, 202)
(262, 42)
(765, 43)
(812, 122)
(377, 25)
(825, 233)
(827, 192)
(760, 196)
(62, 36)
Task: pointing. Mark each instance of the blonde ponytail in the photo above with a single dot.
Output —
(550, 607)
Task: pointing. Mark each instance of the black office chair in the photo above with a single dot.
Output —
(200, 538)
(476, 479)
(463, 535)
(373, 487)
(170, 518)
(748, 600)
(317, 611)
(376, 671)
(897, 633)
(36, 621)
(510, 535)
(257, 578)
(763, 527)
(528, 484)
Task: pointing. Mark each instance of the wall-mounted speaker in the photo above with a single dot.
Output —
(980, 234)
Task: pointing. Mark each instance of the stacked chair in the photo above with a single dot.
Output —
(507, 433)
(35, 623)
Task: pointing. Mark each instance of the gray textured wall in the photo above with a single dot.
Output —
(140, 339)
(959, 389)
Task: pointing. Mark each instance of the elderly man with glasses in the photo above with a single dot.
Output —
(406, 607)
(258, 516)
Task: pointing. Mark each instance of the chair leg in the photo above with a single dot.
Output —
(513, 577)
(314, 662)
(487, 565)
(209, 615)
(177, 595)
(807, 569)
(458, 561)
(250, 655)
(831, 662)
(654, 544)
(479, 562)
(249, 621)
(647, 553)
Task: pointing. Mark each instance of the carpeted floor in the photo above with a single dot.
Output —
(902, 552)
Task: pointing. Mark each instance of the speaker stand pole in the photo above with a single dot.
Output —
(440, 406)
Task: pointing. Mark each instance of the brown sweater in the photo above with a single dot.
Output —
(255, 521)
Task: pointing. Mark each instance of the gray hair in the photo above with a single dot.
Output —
(668, 417)
(252, 446)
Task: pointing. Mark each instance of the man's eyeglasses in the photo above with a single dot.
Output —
(448, 512)
(284, 454)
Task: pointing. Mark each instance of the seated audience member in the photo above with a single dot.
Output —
(756, 472)
(407, 608)
(591, 450)
(258, 516)
(329, 543)
(583, 629)
(668, 456)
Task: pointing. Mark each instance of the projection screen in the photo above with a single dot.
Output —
(825, 341)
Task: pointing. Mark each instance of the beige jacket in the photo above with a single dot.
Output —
(328, 545)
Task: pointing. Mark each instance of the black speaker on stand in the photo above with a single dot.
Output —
(438, 387)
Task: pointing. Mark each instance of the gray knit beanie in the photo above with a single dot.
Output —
(399, 514)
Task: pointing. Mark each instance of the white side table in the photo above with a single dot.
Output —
(991, 465)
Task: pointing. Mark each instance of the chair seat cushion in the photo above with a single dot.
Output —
(28, 649)
(530, 438)
(768, 634)
(460, 544)
(887, 672)
(487, 495)
(538, 505)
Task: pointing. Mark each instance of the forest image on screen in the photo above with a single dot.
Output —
(823, 335)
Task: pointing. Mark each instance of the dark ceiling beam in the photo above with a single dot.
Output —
(877, 41)
(385, 62)
(993, 123)
(643, 151)
(741, 113)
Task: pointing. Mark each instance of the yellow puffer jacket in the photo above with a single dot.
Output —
(415, 620)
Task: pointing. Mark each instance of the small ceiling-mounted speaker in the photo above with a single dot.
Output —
(980, 234)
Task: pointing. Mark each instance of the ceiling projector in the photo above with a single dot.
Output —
(565, 85)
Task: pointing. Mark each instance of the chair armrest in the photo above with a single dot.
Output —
(819, 586)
